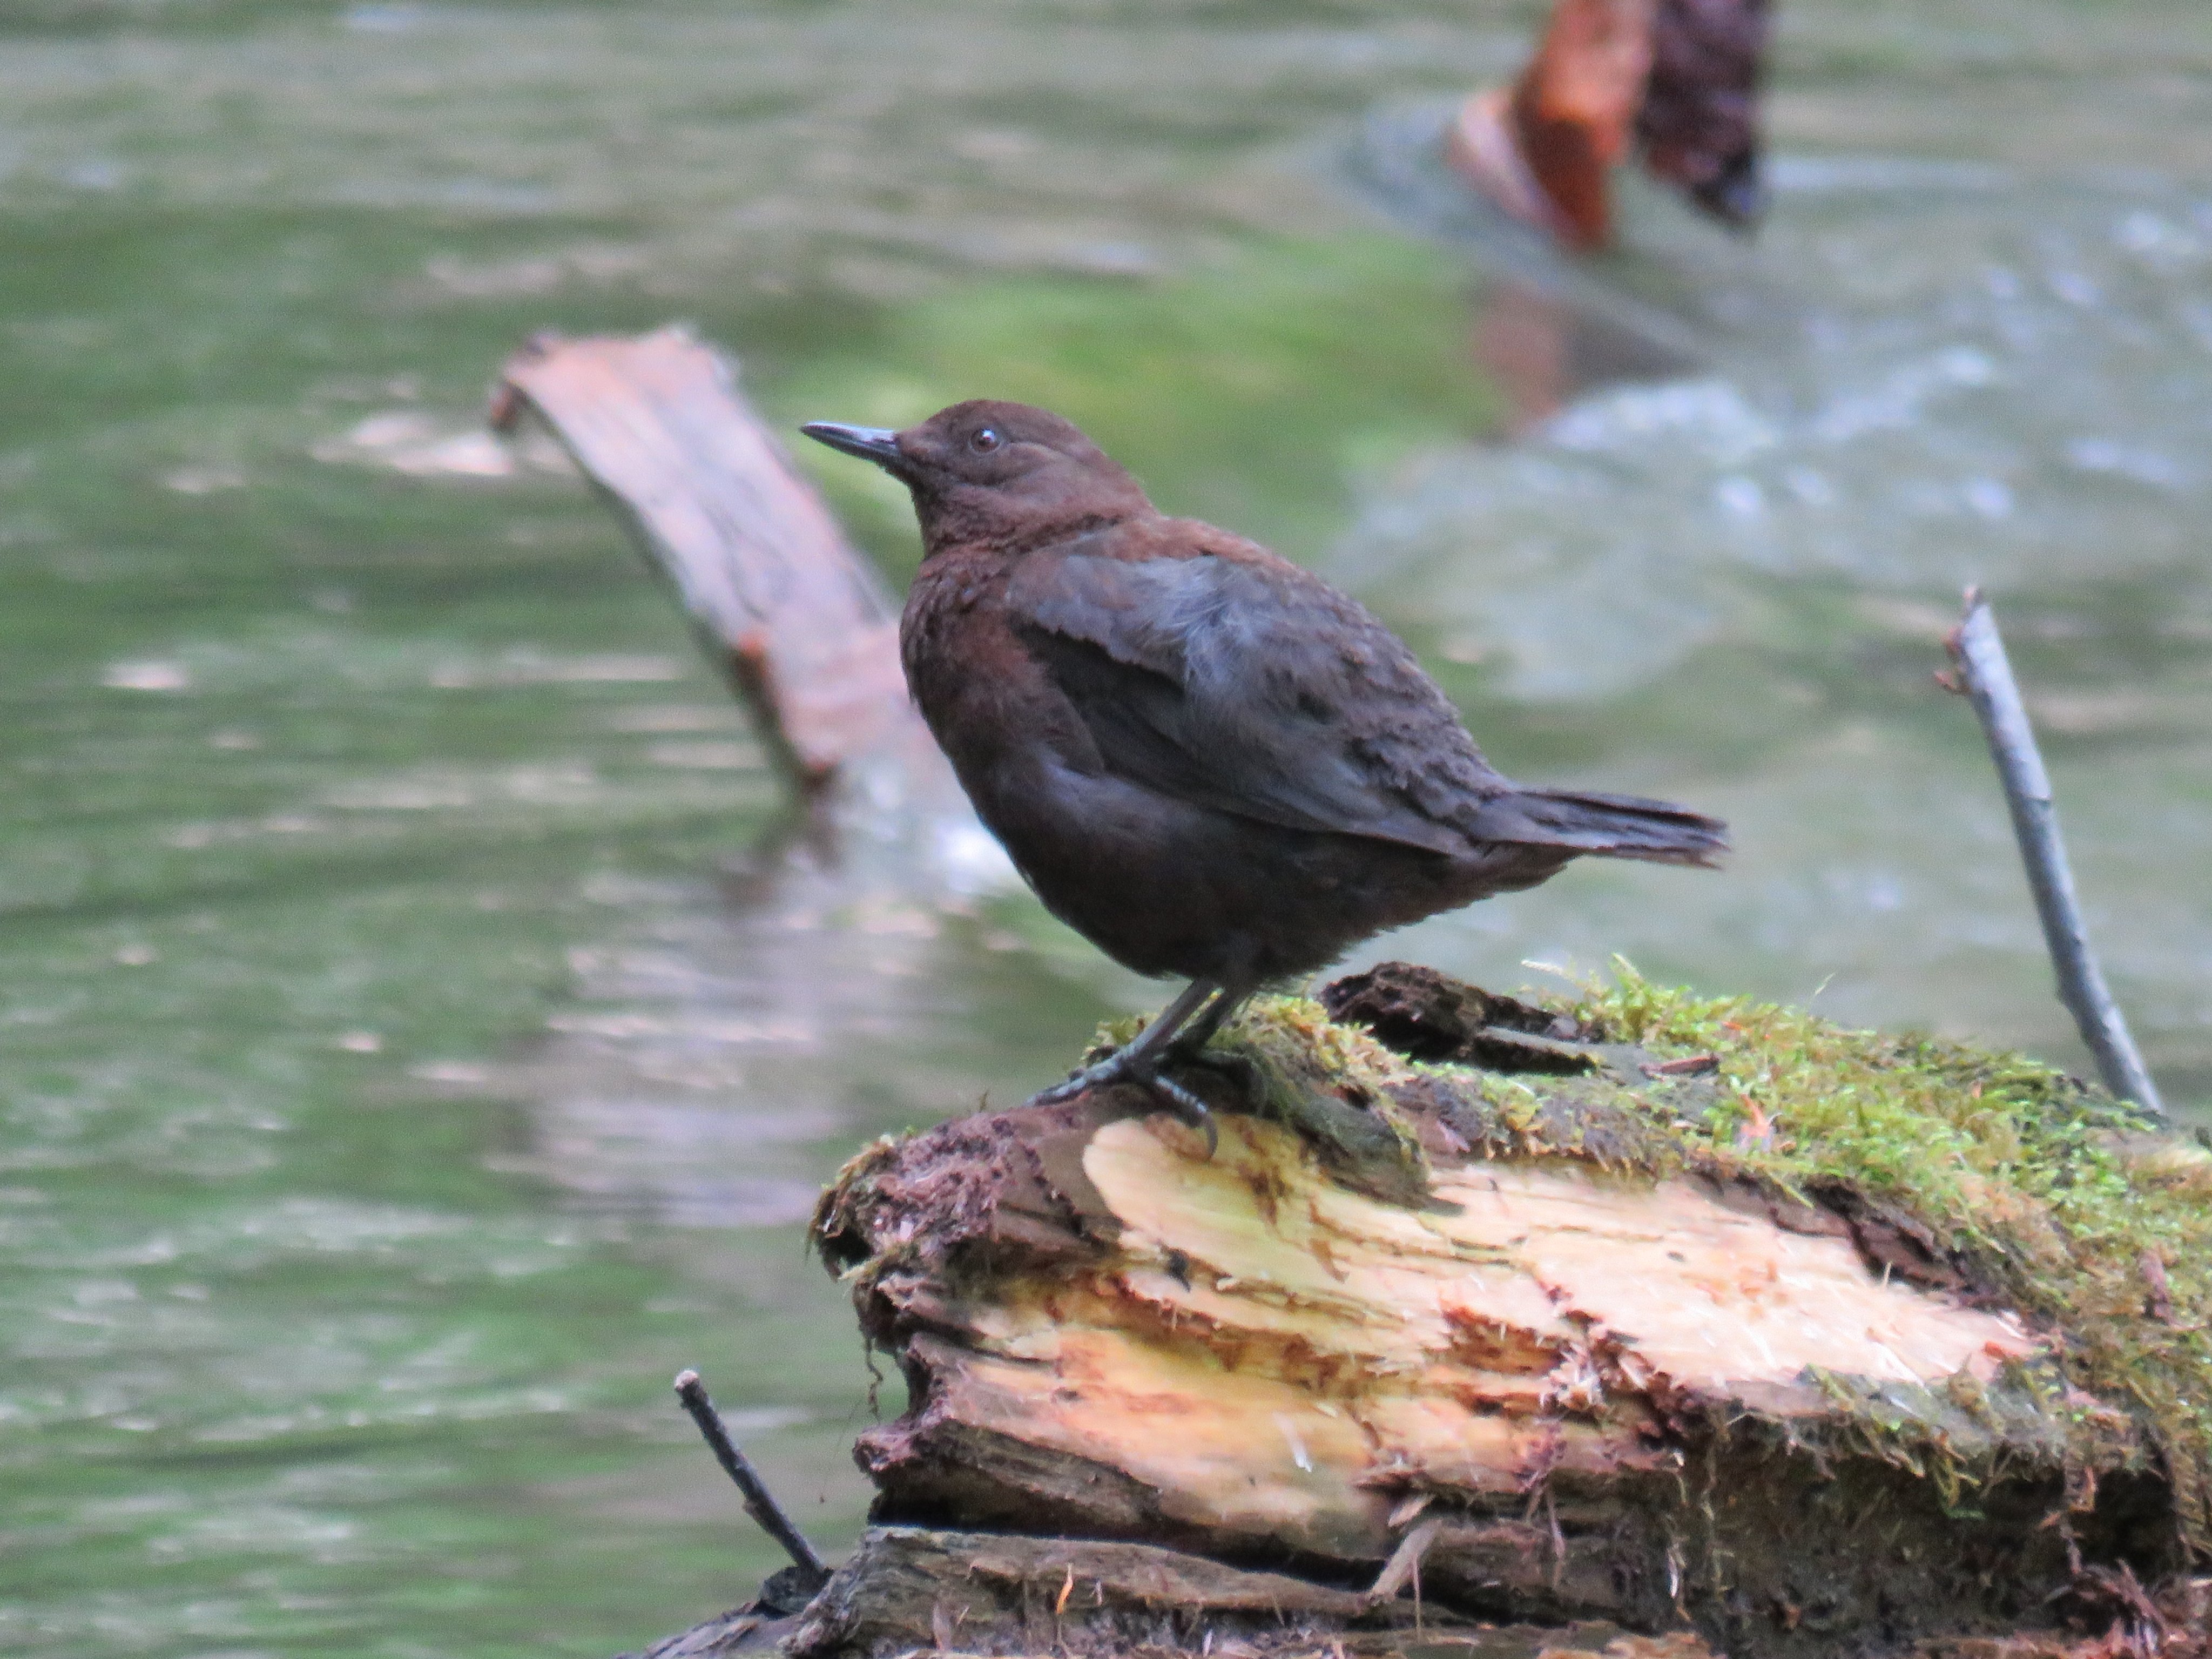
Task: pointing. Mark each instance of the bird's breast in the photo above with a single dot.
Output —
(994, 708)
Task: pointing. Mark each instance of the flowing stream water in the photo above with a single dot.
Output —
(415, 1042)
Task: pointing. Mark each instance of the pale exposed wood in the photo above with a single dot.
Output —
(780, 599)
(1480, 143)
(1320, 1354)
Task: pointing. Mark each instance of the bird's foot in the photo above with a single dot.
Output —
(1124, 1067)
(1241, 1071)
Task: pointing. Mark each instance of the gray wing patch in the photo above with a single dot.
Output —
(1239, 689)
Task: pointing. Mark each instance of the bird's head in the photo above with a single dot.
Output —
(1001, 475)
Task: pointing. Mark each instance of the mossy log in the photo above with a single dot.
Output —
(1644, 1319)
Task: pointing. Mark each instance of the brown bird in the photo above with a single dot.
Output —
(1207, 761)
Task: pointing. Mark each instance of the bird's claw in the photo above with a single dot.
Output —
(1119, 1068)
(1091, 1077)
(1188, 1107)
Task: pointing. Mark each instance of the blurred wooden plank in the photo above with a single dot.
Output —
(780, 599)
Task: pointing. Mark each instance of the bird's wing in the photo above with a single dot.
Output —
(1235, 680)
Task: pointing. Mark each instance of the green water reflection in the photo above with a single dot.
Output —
(412, 1054)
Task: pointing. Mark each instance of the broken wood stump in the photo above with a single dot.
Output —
(781, 601)
(1641, 1325)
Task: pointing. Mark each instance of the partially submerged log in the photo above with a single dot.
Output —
(780, 599)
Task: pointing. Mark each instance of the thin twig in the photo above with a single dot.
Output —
(760, 1503)
(1984, 676)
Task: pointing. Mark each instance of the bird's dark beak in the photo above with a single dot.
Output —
(871, 443)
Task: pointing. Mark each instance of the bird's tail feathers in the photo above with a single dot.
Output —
(1606, 826)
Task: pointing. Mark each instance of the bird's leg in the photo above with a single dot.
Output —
(1138, 1061)
(1193, 1038)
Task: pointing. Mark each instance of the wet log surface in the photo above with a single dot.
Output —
(1427, 1355)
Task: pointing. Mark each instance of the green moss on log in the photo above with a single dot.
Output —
(2043, 1187)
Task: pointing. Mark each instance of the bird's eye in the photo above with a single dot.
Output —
(986, 439)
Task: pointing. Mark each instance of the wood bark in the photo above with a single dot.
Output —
(909, 1587)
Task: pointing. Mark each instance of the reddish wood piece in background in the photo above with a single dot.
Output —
(1677, 79)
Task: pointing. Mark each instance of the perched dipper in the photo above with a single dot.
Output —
(1205, 760)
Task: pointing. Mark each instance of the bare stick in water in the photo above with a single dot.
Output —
(760, 1503)
(1984, 676)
